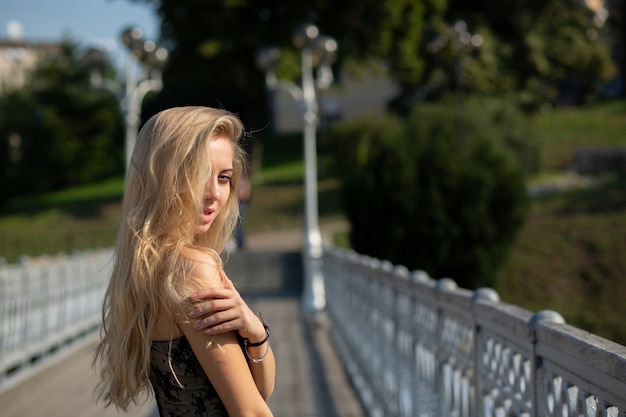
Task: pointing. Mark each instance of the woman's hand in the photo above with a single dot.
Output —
(221, 310)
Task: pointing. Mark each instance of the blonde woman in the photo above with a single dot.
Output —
(173, 322)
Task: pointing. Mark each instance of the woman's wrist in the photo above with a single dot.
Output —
(261, 340)
(253, 334)
(257, 359)
(247, 343)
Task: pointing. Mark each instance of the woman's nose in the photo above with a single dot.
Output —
(212, 191)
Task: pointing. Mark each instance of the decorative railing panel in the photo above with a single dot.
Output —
(504, 360)
(48, 303)
(414, 346)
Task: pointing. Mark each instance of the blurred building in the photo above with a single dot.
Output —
(354, 95)
(18, 58)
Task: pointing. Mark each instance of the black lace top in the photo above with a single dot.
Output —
(196, 397)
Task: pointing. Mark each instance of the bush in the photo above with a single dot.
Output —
(420, 194)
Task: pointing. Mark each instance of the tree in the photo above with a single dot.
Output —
(543, 51)
(418, 194)
(57, 131)
(535, 49)
(213, 44)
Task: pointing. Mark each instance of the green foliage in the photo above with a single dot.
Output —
(537, 51)
(214, 43)
(425, 195)
(58, 132)
(500, 121)
(541, 51)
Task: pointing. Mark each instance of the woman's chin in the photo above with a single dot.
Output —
(202, 228)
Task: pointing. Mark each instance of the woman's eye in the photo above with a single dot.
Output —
(225, 178)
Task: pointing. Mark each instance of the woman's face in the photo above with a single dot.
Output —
(217, 189)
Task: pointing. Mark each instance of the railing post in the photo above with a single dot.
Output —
(404, 344)
(544, 316)
(424, 371)
(388, 314)
(481, 294)
(444, 284)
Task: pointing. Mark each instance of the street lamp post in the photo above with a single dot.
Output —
(150, 60)
(317, 52)
(143, 74)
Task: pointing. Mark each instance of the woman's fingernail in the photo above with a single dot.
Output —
(208, 331)
(192, 313)
(196, 325)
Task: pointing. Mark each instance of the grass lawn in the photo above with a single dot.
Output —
(569, 258)
(69, 220)
(560, 131)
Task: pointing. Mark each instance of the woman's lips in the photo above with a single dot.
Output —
(207, 215)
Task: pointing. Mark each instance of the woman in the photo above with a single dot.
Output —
(172, 319)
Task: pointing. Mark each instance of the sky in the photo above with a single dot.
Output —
(88, 22)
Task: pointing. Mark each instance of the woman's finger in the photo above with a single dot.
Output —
(208, 293)
(229, 284)
(218, 317)
(217, 304)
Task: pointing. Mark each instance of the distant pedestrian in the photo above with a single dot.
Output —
(244, 192)
(174, 324)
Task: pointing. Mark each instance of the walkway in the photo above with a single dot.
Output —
(310, 378)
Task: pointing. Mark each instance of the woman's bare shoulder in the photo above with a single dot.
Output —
(205, 267)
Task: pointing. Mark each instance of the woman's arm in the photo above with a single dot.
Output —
(222, 310)
(221, 357)
(225, 365)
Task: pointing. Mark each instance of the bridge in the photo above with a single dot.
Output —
(396, 342)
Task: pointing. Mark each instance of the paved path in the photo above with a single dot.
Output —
(310, 378)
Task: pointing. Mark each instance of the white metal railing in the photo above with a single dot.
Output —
(46, 304)
(414, 346)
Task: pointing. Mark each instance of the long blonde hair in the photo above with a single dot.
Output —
(163, 197)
